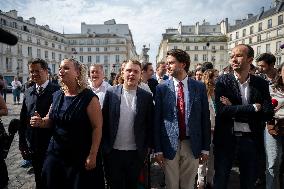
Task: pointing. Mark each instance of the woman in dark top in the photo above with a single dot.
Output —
(73, 157)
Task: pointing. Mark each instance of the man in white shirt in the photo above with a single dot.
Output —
(97, 83)
(127, 125)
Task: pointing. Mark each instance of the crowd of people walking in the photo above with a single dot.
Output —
(85, 132)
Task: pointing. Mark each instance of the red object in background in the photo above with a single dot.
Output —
(274, 102)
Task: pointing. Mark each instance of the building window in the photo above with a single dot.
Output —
(204, 57)
(244, 32)
(237, 35)
(30, 51)
(81, 49)
(45, 54)
(213, 47)
(280, 19)
(97, 41)
(59, 57)
(175, 47)
(268, 48)
(89, 49)
(105, 59)
(89, 59)
(116, 58)
(250, 40)
(204, 48)
(59, 46)
(260, 26)
(81, 58)
(231, 37)
(258, 38)
(196, 48)
(46, 43)
(53, 55)
(269, 23)
(38, 53)
(278, 43)
(251, 30)
(268, 35)
(8, 64)
(279, 32)
(3, 22)
(116, 48)
(38, 41)
(29, 39)
(52, 44)
(278, 60)
(196, 57)
(97, 49)
(222, 47)
(97, 59)
(187, 48)
(14, 25)
(106, 41)
(53, 68)
(258, 50)
(105, 49)
(20, 49)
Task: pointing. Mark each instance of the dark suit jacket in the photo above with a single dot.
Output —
(142, 123)
(259, 93)
(152, 83)
(37, 139)
(166, 129)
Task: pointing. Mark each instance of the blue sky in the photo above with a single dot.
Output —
(147, 19)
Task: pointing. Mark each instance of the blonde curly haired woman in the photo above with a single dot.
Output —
(73, 159)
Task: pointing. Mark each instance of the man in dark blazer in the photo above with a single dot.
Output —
(243, 104)
(127, 116)
(33, 142)
(182, 123)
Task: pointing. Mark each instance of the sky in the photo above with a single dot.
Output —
(147, 19)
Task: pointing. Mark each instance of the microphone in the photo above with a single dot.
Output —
(274, 102)
(7, 38)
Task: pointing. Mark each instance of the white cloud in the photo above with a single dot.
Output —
(147, 19)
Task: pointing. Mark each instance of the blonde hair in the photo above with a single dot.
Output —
(81, 80)
(209, 82)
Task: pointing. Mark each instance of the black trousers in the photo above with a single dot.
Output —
(3, 174)
(123, 169)
(37, 163)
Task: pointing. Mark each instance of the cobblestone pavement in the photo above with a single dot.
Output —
(20, 178)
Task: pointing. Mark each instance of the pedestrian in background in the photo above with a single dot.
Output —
(16, 90)
(72, 159)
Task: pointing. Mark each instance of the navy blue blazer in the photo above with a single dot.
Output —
(142, 122)
(37, 139)
(166, 129)
(227, 86)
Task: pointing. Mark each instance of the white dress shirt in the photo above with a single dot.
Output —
(101, 91)
(245, 91)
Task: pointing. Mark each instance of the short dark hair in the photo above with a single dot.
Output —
(145, 66)
(268, 58)
(207, 66)
(250, 53)
(134, 62)
(42, 63)
(181, 56)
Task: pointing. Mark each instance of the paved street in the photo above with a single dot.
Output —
(20, 178)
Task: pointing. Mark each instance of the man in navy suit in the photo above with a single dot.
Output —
(38, 98)
(243, 104)
(161, 70)
(182, 123)
(127, 129)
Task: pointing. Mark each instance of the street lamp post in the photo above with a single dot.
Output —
(207, 48)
